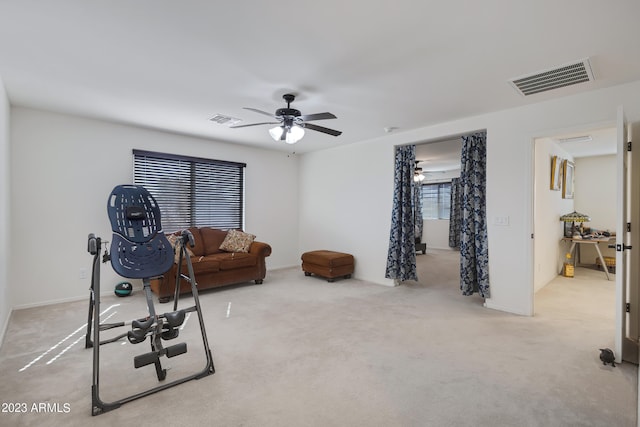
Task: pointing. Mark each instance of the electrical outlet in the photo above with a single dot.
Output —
(83, 273)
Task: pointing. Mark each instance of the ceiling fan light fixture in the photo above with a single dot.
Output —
(294, 134)
(276, 132)
(289, 135)
(417, 173)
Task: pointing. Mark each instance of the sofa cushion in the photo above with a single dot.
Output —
(233, 260)
(203, 264)
(237, 241)
(212, 239)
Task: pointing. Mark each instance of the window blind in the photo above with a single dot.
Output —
(191, 191)
(436, 200)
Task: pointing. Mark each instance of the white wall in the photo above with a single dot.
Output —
(5, 290)
(595, 195)
(344, 210)
(549, 251)
(435, 233)
(63, 169)
(339, 209)
(595, 190)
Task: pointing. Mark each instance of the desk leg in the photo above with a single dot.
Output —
(573, 251)
(604, 265)
(573, 258)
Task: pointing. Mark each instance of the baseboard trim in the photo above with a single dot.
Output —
(5, 325)
(70, 299)
(492, 306)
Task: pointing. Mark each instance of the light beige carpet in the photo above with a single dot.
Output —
(299, 351)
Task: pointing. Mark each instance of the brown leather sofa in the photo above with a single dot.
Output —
(212, 266)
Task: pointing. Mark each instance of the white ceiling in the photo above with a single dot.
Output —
(588, 143)
(171, 65)
(439, 156)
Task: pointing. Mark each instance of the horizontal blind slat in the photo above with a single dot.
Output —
(192, 191)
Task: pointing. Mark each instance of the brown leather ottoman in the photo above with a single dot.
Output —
(328, 264)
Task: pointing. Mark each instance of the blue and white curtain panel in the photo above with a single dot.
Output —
(474, 247)
(401, 258)
(417, 211)
(455, 223)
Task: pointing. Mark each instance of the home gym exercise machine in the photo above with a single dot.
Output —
(140, 250)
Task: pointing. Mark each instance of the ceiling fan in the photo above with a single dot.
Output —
(418, 176)
(291, 123)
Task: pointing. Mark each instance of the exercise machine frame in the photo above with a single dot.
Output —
(93, 324)
(157, 327)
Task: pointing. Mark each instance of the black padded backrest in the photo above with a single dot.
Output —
(139, 249)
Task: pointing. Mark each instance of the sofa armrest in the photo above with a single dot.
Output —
(260, 249)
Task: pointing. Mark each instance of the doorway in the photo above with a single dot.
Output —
(456, 224)
(439, 163)
(472, 230)
(592, 155)
(588, 296)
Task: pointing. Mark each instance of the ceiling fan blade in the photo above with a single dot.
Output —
(317, 116)
(322, 129)
(254, 124)
(255, 110)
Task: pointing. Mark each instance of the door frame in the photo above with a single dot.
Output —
(551, 133)
(631, 351)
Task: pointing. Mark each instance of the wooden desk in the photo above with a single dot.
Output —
(576, 248)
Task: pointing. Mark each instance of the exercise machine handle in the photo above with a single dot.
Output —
(186, 234)
(92, 244)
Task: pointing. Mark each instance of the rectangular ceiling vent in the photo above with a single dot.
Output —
(225, 120)
(564, 75)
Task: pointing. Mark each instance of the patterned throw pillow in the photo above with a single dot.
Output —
(173, 239)
(237, 241)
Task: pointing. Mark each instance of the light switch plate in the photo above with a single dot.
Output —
(501, 220)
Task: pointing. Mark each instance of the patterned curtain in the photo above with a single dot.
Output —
(417, 211)
(454, 218)
(474, 248)
(401, 259)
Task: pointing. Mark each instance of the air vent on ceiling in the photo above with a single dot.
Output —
(225, 120)
(564, 75)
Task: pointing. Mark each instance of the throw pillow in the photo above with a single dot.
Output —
(237, 241)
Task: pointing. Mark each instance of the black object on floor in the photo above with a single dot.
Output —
(607, 356)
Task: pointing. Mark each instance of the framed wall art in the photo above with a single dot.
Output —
(568, 171)
(556, 173)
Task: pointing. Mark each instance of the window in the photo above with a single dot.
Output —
(192, 192)
(436, 200)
